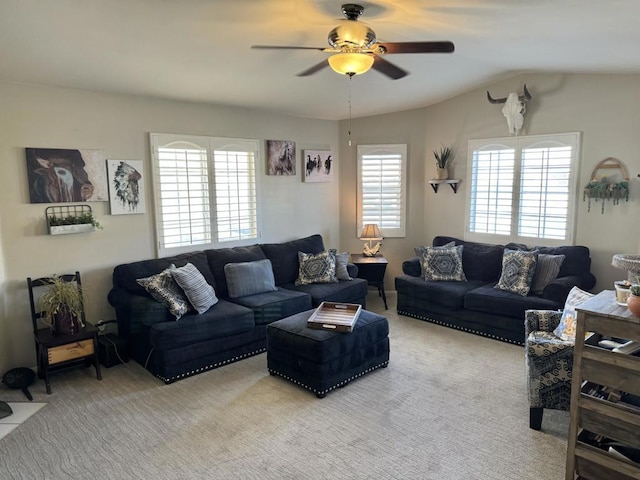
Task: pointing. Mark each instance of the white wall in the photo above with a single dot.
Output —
(603, 107)
(120, 126)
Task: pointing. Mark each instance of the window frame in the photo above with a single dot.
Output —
(210, 145)
(383, 149)
(519, 144)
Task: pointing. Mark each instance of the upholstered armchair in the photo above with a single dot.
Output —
(549, 362)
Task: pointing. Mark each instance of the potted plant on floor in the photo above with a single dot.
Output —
(62, 306)
(443, 159)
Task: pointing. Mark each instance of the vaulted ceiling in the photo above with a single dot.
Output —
(199, 50)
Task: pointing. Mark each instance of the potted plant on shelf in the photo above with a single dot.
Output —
(83, 222)
(443, 159)
(61, 306)
(633, 300)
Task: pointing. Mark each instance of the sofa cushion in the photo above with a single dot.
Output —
(200, 294)
(479, 261)
(318, 268)
(566, 329)
(222, 320)
(284, 256)
(354, 291)
(518, 267)
(125, 275)
(547, 270)
(448, 294)
(219, 257)
(505, 304)
(442, 264)
(249, 278)
(274, 305)
(165, 290)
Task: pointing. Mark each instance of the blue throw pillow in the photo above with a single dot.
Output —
(249, 278)
(442, 264)
(200, 294)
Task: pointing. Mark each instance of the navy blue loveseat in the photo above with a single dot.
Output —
(233, 328)
(475, 305)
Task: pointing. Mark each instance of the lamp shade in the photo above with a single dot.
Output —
(371, 232)
(351, 63)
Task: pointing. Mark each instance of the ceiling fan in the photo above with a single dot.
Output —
(355, 49)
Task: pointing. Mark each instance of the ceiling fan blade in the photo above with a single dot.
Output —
(283, 47)
(388, 68)
(418, 47)
(316, 68)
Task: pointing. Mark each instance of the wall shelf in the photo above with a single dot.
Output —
(452, 183)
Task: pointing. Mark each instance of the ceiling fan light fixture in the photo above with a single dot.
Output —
(352, 34)
(351, 63)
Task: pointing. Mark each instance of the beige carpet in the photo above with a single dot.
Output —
(450, 406)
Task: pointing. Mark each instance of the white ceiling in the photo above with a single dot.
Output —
(199, 50)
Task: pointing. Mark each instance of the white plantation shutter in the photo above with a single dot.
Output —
(235, 191)
(382, 188)
(492, 189)
(205, 191)
(523, 188)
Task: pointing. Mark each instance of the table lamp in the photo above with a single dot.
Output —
(371, 232)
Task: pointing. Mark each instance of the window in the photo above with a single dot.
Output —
(523, 188)
(205, 192)
(382, 188)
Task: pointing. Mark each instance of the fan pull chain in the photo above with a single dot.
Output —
(349, 94)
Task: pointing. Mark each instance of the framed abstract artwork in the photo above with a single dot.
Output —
(318, 165)
(63, 175)
(126, 186)
(281, 157)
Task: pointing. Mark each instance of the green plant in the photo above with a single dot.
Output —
(635, 289)
(84, 218)
(60, 298)
(443, 157)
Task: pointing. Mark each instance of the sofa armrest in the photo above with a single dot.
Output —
(412, 267)
(352, 269)
(541, 321)
(133, 312)
(559, 289)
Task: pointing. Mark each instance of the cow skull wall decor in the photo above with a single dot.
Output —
(514, 108)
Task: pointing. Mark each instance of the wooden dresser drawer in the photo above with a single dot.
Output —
(70, 351)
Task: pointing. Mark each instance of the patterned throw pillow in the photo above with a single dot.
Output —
(341, 265)
(164, 289)
(566, 329)
(319, 268)
(518, 267)
(547, 270)
(198, 291)
(420, 253)
(249, 278)
(442, 264)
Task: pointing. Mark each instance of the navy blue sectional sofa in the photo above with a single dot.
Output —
(233, 328)
(475, 305)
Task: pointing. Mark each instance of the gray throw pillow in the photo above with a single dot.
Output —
(249, 278)
(420, 253)
(200, 294)
(547, 270)
(442, 264)
(319, 268)
(342, 259)
(518, 267)
(164, 289)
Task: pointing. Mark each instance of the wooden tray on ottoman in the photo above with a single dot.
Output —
(339, 317)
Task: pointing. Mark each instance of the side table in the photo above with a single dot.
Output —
(59, 351)
(372, 269)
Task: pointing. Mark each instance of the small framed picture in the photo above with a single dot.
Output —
(126, 186)
(318, 165)
(281, 157)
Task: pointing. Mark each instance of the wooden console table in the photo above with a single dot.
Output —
(601, 379)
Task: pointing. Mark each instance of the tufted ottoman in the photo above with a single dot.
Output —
(321, 360)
